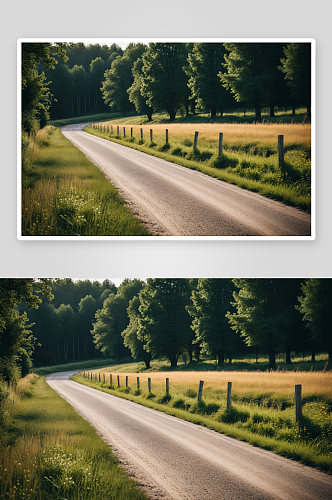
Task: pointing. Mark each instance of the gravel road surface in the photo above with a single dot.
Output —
(172, 459)
(172, 200)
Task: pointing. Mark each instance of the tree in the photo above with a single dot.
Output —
(164, 83)
(131, 339)
(250, 73)
(14, 333)
(96, 74)
(117, 81)
(297, 69)
(87, 308)
(316, 306)
(135, 91)
(36, 97)
(68, 322)
(164, 319)
(205, 62)
(110, 322)
(210, 304)
(265, 310)
(80, 79)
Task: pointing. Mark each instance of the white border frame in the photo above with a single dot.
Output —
(125, 42)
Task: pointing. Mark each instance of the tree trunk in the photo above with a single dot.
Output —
(258, 114)
(213, 112)
(288, 356)
(272, 110)
(197, 352)
(220, 357)
(272, 358)
(172, 113)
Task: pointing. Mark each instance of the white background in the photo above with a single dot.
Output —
(153, 19)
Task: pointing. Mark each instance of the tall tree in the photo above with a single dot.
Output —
(316, 306)
(164, 319)
(264, 311)
(210, 304)
(250, 73)
(87, 308)
(14, 333)
(117, 81)
(205, 62)
(68, 321)
(131, 339)
(80, 79)
(296, 65)
(96, 74)
(164, 81)
(135, 92)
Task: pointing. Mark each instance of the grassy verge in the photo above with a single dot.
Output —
(79, 365)
(64, 194)
(262, 411)
(248, 163)
(49, 452)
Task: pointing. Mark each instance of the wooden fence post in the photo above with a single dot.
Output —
(124, 131)
(104, 378)
(91, 375)
(220, 144)
(200, 390)
(167, 386)
(142, 134)
(298, 402)
(281, 151)
(149, 384)
(138, 386)
(131, 132)
(117, 130)
(195, 140)
(111, 129)
(229, 394)
(126, 380)
(99, 377)
(166, 136)
(151, 135)
(118, 380)
(111, 379)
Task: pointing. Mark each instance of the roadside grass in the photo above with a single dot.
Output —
(64, 194)
(47, 451)
(249, 159)
(262, 410)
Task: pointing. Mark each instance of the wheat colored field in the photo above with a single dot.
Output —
(260, 133)
(280, 384)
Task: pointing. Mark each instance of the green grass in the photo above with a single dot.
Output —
(291, 185)
(78, 365)
(262, 420)
(64, 194)
(49, 452)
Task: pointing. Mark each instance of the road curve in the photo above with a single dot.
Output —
(177, 460)
(172, 200)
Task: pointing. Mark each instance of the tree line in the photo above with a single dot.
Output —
(62, 80)
(47, 322)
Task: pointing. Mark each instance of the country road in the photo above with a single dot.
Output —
(177, 460)
(172, 200)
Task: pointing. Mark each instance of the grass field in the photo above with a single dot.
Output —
(47, 451)
(64, 194)
(262, 410)
(249, 156)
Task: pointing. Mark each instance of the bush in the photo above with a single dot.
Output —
(141, 141)
(223, 161)
(212, 408)
(199, 407)
(179, 403)
(150, 395)
(232, 415)
(152, 144)
(187, 142)
(165, 147)
(137, 392)
(165, 399)
(191, 393)
(177, 152)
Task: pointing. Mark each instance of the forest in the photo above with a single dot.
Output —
(63, 80)
(45, 322)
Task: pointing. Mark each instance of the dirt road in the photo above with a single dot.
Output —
(176, 460)
(172, 200)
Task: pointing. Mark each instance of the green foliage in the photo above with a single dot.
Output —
(165, 147)
(296, 65)
(164, 400)
(178, 152)
(231, 415)
(180, 404)
(190, 393)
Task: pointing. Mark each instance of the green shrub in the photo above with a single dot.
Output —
(190, 393)
(223, 161)
(177, 152)
(150, 395)
(187, 142)
(198, 407)
(141, 141)
(152, 144)
(232, 415)
(137, 392)
(165, 147)
(179, 403)
(212, 408)
(165, 399)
